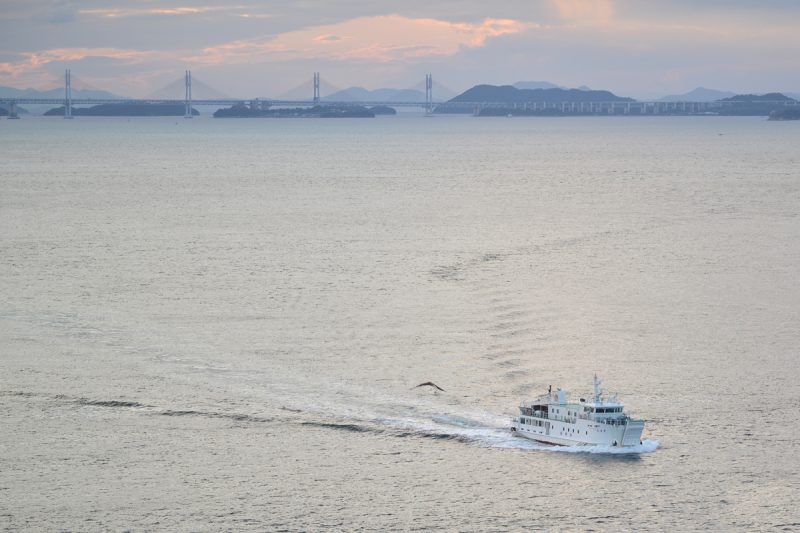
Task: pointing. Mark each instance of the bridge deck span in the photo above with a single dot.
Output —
(568, 107)
(247, 101)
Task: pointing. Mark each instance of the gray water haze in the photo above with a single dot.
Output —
(218, 325)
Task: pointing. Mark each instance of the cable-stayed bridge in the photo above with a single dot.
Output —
(294, 98)
(215, 98)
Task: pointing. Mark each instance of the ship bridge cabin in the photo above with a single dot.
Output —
(603, 412)
(605, 409)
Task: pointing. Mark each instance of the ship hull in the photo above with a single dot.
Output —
(579, 432)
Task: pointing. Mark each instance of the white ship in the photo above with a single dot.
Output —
(553, 419)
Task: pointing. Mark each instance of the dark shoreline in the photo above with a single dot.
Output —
(317, 111)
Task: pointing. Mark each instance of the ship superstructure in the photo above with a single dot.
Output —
(554, 419)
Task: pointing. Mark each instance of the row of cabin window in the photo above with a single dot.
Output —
(569, 413)
(532, 422)
(594, 410)
(603, 409)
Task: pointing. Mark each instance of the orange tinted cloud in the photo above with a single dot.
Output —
(138, 12)
(381, 39)
(30, 67)
(77, 54)
(585, 10)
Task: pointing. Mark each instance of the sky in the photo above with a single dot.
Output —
(242, 48)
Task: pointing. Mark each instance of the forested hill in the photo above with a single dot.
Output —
(511, 95)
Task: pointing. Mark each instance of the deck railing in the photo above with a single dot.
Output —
(620, 421)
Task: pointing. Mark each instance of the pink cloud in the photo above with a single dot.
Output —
(597, 11)
(77, 54)
(138, 12)
(327, 38)
(380, 39)
(31, 68)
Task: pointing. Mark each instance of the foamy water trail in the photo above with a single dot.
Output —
(473, 431)
(371, 410)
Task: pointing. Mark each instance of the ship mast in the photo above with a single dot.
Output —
(598, 392)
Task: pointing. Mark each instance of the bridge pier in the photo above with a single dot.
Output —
(12, 111)
(259, 105)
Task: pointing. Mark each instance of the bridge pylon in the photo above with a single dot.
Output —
(428, 94)
(187, 100)
(316, 88)
(68, 94)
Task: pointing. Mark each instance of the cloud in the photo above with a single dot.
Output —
(255, 15)
(123, 12)
(596, 11)
(33, 64)
(379, 39)
(78, 54)
(327, 38)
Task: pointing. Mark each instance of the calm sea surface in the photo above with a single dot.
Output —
(211, 325)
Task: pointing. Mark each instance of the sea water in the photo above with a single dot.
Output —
(220, 324)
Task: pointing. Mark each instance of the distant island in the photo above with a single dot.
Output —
(519, 100)
(383, 110)
(789, 113)
(124, 110)
(507, 100)
(317, 111)
(512, 95)
(757, 105)
(699, 94)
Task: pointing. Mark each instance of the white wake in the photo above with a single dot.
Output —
(476, 431)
